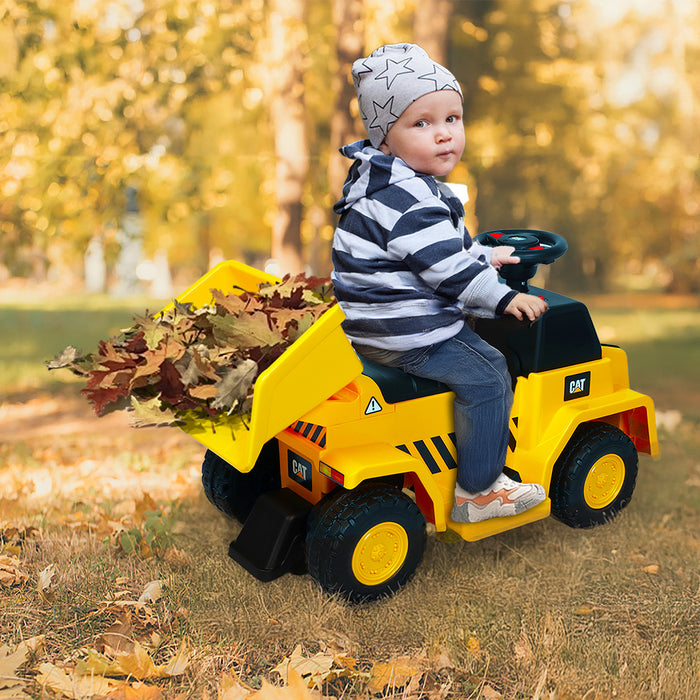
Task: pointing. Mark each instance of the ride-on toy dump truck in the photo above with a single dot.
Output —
(343, 461)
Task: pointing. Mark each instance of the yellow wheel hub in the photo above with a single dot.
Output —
(604, 481)
(380, 553)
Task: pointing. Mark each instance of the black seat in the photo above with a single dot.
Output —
(397, 385)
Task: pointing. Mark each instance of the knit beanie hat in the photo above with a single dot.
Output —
(390, 79)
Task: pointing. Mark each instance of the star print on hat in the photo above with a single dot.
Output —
(390, 79)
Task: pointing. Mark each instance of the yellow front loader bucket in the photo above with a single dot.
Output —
(313, 368)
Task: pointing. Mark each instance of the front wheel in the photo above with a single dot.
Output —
(366, 543)
(594, 476)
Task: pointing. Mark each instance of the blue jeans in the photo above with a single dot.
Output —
(478, 375)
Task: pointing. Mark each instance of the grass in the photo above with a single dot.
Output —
(663, 348)
(37, 329)
(541, 612)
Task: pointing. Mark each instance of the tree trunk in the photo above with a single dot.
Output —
(348, 20)
(288, 48)
(431, 24)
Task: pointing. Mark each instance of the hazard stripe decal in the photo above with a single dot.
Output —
(315, 433)
(436, 463)
(427, 457)
(513, 435)
(444, 452)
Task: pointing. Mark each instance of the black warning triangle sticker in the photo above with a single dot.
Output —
(373, 406)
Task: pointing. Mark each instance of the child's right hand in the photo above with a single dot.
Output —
(522, 305)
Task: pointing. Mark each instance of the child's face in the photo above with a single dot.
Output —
(429, 135)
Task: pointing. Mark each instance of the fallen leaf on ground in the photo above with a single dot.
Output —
(441, 658)
(45, 584)
(138, 691)
(136, 664)
(152, 592)
(652, 569)
(71, 684)
(11, 660)
(232, 688)
(13, 539)
(179, 662)
(118, 636)
(145, 505)
(473, 646)
(395, 673)
(9, 663)
(489, 693)
(316, 669)
(10, 573)
(296, 689)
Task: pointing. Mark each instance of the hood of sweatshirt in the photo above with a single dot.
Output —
(371, 172)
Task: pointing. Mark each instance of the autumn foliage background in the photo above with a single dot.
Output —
(224, 117)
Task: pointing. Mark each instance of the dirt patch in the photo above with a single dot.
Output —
(53, 446)
(54, 416)
(44, 416)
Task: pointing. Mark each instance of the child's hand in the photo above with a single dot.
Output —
(522, 305)
(502, 255)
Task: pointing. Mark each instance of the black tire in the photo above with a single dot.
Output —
(234, 493)
(594, 477)
(366, 543)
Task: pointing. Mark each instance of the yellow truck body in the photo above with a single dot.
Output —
(336, 428)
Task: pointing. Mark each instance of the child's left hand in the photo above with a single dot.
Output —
(502, 255)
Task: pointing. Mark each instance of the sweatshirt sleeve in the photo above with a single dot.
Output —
(479, 251)
(428, 243)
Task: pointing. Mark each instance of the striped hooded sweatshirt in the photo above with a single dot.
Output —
(406, 271)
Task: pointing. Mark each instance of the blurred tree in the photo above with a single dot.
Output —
(349, 46)
(288, 48)
(388, 22)
(319, 95)
(431, 22)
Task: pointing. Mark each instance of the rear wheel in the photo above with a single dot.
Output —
(234, 493)
(594, 476)
(365, 543)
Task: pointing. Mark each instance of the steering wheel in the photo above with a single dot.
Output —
(533, 247)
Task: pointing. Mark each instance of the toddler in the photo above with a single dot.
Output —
(407, 273)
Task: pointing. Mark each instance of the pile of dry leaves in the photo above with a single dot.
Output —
(189, 362)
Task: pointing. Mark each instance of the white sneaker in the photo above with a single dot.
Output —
(503, 498)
